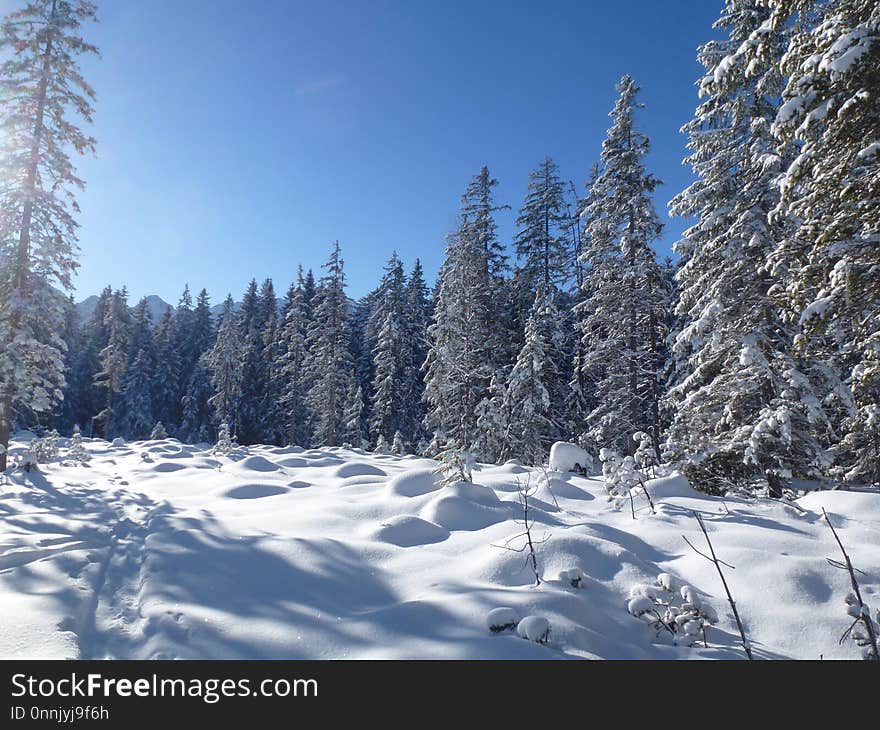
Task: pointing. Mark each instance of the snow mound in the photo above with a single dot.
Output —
(474, 493)
(457, 513)
(413, 483)
(292, 462)
(845, 503)
(257, 463)
(501, 618)
(255, 491)
(674, 485)
(166, 467)
(409, 531)
(554, 488)
(358, 469)
(534, 628)
(118, 443)
(569, 457)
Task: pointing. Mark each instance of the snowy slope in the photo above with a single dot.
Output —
(285, 553)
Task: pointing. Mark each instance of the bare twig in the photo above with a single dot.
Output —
(864, 613)
(713, 558)
(525, 491)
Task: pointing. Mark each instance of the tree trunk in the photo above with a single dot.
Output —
(24, 239)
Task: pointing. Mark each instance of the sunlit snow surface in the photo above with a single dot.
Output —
(160, 550)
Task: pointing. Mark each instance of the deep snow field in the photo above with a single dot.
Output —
(160, 550)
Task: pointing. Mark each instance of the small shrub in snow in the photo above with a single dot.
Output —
(76, 450)
(569, 457)
(43, 450)
(645, 457)
(534, 628)
(574, 577)
(455, 466)
(159, 432)
(398, 446)
(667, 608)
(224, 445)
(622, 479)
(501, 619)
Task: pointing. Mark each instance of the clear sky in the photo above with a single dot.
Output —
(236, 140)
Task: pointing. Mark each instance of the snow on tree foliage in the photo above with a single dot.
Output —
(76, 450)
(330, 361)
(224, 361)
(158, 433)
(542, 239)
(673, 610)
(291, 364)
(462, 358)
(390, 353)
(830, 262)
(113, 359)
(531, 401)
(44, 94)
(746, 407)
(624, 298)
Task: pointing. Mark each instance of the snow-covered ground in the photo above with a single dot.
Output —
(160, 550)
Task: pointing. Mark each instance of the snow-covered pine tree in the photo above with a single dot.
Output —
(624, 300)
(389, 353)
(532, 401)
(43, 94)
(353, 417)
(135, 401)
(582, 385)
(76, 451)
(167, 370)
(198, 416)
(158, 433)
(290, 367)
(330, 362)
(416, 321)
(135, 411)
(113, 359)
(478, 208)
(186, 348)
(460, 363)
(743, 409)
(543, 244)
(224, 361)
(830, 264)
(250, 421)
(66, 412)
(272, 425)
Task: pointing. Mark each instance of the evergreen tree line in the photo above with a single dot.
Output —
(752, 361)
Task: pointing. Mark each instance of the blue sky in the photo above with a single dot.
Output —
(236, 140)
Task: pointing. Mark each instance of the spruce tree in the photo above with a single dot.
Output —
(290, 366)
(623, 301)
(224, 362)
(44, 95)
(743, 407)
(330, 362)
(542, 240)
(113, 359)
(531, 401)
(830, 264)
(389, 354)
(460, 363)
